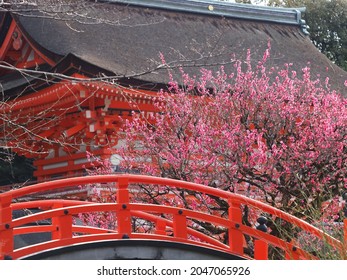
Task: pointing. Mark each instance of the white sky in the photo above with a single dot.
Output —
(258, 2)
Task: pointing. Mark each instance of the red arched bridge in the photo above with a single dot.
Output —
(176, 231)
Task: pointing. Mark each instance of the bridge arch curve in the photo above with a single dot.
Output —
(127, 249)
(172, 224)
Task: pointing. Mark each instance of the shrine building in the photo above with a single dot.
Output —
(68, 73)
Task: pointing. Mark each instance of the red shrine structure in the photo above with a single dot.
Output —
(67, 76)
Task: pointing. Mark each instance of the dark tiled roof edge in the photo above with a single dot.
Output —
(291, 16)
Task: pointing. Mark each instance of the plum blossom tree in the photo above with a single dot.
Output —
(274, 135)
(278, 136)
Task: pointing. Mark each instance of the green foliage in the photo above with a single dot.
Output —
(327, 20)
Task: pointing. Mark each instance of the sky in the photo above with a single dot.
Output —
(258, 2)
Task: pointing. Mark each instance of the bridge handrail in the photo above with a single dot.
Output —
(137, 210)
(49, 204)
(123, 181)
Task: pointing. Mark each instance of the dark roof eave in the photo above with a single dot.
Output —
(291, 16)
(53, 56)
(70, 65)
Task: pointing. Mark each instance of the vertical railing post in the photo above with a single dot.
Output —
(160, 227)
(62, 224)
(6, 231)
(235, 234)
(56, 222)
(261, 250)
(180, 225)
(123, 215)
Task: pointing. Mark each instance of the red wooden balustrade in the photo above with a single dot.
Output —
(64, 232)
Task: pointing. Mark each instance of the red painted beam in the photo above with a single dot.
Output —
(61, 212)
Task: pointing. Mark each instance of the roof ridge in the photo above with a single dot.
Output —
(291, 16)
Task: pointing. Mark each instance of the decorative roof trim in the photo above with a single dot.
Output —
(290, 16)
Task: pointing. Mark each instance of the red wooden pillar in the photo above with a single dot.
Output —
(123, 215)
(160, 227)
(261, 250)
(180, 225)
(6, 231)
(235, 234)
(62, 224)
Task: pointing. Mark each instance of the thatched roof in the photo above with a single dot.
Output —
(128, 39)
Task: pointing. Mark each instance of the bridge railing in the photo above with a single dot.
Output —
(171, 223)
